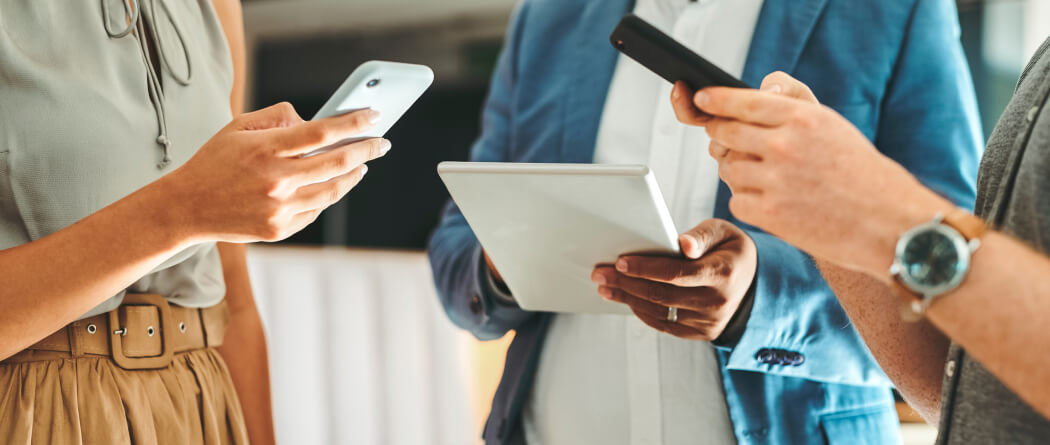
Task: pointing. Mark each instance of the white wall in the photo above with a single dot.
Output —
(361, 351)
(1037, 25)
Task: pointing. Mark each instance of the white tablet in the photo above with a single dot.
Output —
(546, 226)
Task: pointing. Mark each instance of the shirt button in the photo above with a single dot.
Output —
(475, 305)
(949, 368)
(765, 356)
(1033, 113)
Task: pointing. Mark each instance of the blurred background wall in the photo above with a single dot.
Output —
(348, 303)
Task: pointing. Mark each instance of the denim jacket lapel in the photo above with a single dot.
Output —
(591, 74)
(782, 32)
(781, 35)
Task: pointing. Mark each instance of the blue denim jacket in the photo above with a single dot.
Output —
(799, 373)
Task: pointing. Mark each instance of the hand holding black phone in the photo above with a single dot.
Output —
(663, 55)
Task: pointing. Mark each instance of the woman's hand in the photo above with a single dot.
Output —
(707, 286)
(805, 174)
(250, 182)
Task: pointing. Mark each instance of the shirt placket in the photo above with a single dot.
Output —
(642, 342)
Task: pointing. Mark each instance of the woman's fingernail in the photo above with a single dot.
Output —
(385, 146)
(621, 265)
(598, 278)
(676, 92)
(773, 88)
(364, 169)
(605, 292)
(702, 99)
(373, 116)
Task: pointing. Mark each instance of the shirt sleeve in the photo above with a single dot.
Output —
(460, 275)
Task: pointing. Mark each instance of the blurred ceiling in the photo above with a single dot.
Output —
(275, 18)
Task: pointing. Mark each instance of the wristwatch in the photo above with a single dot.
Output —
(933, 259)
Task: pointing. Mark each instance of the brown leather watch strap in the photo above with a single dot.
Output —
(969, 225)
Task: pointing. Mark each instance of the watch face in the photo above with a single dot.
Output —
(931, 259)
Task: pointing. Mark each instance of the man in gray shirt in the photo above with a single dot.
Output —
(953, 305)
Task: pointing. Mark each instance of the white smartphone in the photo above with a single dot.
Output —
(387, 87)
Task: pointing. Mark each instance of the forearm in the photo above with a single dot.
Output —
(458, 268)
(50, 282)
(231, 17)
(245, 353)
(244, 348)
(999, 315)
(911, 354)
(794, 310)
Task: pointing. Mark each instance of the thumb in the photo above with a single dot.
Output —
(782, 84)
(705, 236)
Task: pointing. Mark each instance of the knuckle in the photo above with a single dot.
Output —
(714, 129)
(770, 208)
(375, 148)
(803, 119)
(271, 229)
(274, 188)
(753, 107)
(360, 120)
(343, 162)
(332, 194)
(714, 150)
(704, 334)
(317, 135)
(284, 107)
(656, 292)
(779, 146)
(725, 171)
(719, 300)
(739, 208)
(688, 272)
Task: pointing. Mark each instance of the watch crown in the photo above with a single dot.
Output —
(916, 307)
(895, 269)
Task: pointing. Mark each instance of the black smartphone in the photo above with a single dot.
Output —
(663, 55)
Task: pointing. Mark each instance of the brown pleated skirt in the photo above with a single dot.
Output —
(55, 399)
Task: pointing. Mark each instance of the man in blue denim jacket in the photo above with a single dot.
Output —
(791, 369)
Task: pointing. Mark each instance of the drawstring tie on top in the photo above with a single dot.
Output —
(131, 20)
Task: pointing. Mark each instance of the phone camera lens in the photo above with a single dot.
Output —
(372, 83)
(619, 44)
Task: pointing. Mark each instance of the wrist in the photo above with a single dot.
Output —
(166, 207)
(896, 218)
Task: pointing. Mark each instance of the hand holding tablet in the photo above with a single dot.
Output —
(546, 226)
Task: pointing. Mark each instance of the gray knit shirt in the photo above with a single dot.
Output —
(1013, 195)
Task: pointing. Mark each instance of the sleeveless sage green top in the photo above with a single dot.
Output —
(90, 111)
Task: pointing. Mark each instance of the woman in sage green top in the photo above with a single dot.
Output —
(120, 170)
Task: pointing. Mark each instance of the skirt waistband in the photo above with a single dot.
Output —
(145, 332)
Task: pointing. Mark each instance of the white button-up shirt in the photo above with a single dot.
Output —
(610, 379)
